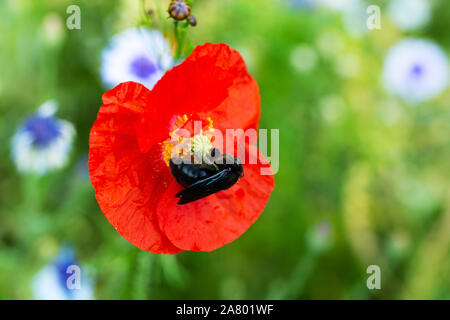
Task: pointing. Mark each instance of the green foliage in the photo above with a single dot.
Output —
(373, 168)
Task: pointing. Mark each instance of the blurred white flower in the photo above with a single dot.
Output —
(136, 54)
(303, 58)
(301, 4)
(320, 238)
(43, 142)
(355, 18)
(409, 14)
(347, 65)
(52, 281)
(53, 28)
(389, 111)
(354, 15)
(416, 70)
(332, 107)
(329, 43)
(338, 5)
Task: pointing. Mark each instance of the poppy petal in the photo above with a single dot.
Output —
(211, 222)
(203, 82)
(241, 109)
(128, 183)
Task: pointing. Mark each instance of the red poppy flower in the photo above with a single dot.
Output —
(132, 140)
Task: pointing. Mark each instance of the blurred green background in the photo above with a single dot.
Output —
(363, 177)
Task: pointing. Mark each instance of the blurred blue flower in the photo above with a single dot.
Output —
(57, 280)
(136, 54)
(409, 14)
(43, 142)
(300, 4)
(416, 70)
(338, 5)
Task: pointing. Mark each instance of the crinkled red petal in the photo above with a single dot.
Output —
(128, 183)
(212, 79)
(241, 108)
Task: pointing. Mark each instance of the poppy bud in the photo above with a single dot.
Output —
(179, 10)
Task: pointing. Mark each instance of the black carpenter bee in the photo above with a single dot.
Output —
(219, 171)
(179, 9)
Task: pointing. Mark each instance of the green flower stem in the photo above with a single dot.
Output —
(32, 195)
(172, 271)
(142, 278)
(296, 282)
(146, 18)
(180, 35)
(316, 245)
(30, 209)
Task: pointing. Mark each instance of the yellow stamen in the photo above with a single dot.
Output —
(180, 146)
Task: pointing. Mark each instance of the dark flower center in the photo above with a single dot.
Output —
(44, 130)
(65, 259)
(417, 70)
(143, 67)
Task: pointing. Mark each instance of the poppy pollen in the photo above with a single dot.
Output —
(178, 144)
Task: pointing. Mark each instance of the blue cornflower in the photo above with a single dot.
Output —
(62, 279)
(136, 54)
(43, 142)
(416, 70)
(409, 14)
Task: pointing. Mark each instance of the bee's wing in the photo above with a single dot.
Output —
(202, 188)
